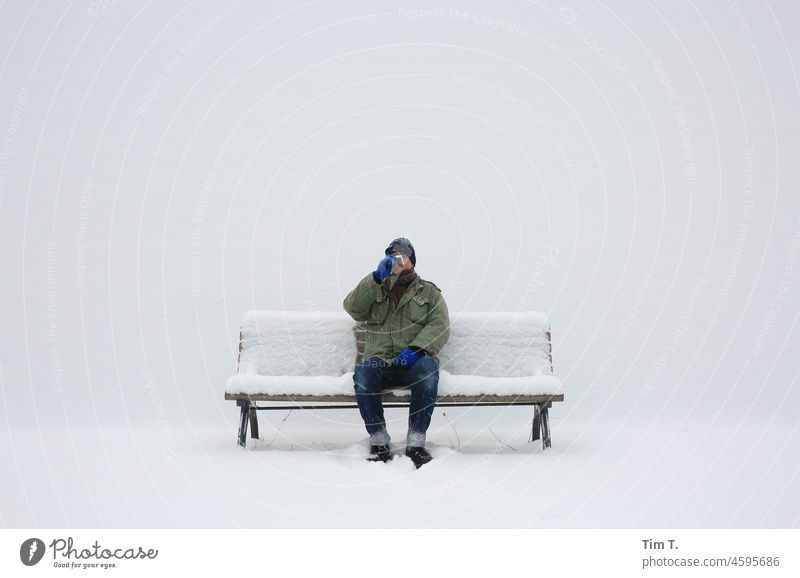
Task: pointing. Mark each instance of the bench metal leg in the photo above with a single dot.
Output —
(537, 422)
(253, 423)
(243, 419)
(541, 424)
(545, 426)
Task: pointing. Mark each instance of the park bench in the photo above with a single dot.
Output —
(305, 360)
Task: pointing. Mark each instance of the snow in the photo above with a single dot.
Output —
(313, 353)
(291, 384)
(309, 470)
(497, 344)
(165, 168)
(538, 384)
(297, 343)
(449, 384)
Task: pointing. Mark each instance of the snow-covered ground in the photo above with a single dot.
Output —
(630, 170)
(312, 473)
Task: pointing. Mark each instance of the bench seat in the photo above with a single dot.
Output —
(449, 385)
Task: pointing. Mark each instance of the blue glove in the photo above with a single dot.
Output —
(407, 357)
(384, 269)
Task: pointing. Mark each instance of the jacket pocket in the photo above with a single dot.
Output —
(378, 311)
(418, 309)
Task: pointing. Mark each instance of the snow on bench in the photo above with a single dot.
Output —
(490, 358)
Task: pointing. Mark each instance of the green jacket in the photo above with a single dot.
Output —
(420, 318)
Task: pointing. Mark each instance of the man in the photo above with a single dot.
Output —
(407, 325)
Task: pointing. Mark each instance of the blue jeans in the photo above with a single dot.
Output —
(374, 375)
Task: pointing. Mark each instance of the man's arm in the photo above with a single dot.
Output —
(359, 300)
(436, 332)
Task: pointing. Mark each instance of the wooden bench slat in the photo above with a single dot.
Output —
(390, 397)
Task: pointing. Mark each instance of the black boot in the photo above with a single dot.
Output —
(418, 455)
(379, 453)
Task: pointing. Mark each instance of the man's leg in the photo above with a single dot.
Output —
(423, 377)
(368, 379)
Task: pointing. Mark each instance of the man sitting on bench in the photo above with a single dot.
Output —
(407, 325)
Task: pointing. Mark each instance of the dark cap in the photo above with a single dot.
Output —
(402, 245)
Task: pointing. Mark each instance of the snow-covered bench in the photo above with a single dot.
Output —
(305, 360)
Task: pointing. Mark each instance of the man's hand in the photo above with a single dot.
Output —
(407, 357)
(384, 269)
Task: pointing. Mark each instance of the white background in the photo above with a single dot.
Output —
(604, 552)
(629, 169)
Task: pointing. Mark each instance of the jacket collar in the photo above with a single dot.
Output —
(413, 288)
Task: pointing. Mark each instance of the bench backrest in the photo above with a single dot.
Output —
(331, 343)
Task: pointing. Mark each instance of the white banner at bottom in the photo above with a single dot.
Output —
(374, 553)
